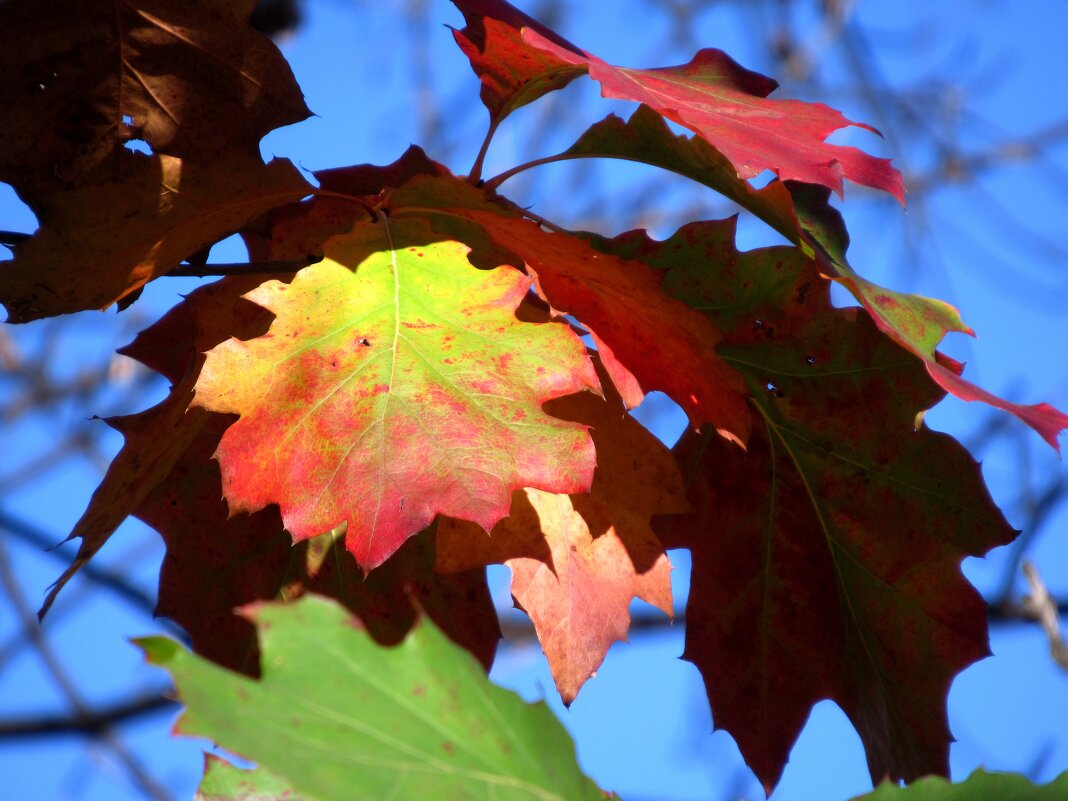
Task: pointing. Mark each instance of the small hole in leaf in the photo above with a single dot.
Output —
(774, 391)
(758, 324)
(127, 120)
(809, 360)
(138, 146)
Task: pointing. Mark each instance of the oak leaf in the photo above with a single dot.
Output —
(916, 323)
(217, 562)
(417, 721)
(578, 560)
(979, 786)
(192, 82)
(395, 384)
(98, 244)
(804, 587)
(512, 74)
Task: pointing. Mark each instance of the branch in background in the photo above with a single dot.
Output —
(91, 724)
(67, 686)
(116, 583)
(1043, 609)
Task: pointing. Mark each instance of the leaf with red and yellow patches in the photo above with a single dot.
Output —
(217, 562)
(577, 561)
(644, 336)
(157, 437)
(395, 384)
(804, 587)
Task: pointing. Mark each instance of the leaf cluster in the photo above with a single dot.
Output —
(414, 378)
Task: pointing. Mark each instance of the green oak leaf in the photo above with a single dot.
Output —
(340, 718)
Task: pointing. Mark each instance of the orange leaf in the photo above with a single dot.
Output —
(578, 560)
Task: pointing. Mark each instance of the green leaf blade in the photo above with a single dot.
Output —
(343, 718)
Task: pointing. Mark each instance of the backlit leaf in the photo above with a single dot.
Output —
(711, 95)
(395, 384)
(801, 213)
(190, 81)
(512, 73)
(217, 562)
(409, 723)
(99, 243)
(577, 561)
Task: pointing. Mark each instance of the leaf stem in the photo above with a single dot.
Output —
(497, 180)
(544, 222)
(476, 168)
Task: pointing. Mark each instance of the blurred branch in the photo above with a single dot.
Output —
(28, 620)
(92, 723)
(517, 629)
(1042, 608)
(112, 581)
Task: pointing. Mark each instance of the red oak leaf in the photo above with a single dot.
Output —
(217, 562)
(803, 586)
(512, 73)
(395, 384)
(726, 105)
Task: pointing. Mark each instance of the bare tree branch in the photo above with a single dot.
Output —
(92, 724)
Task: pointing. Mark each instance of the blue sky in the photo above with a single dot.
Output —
(642, 727)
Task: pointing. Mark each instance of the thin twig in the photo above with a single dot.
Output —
(92, 724)
(1043, 608)
(116, 583)
(500, 178)
(67, 686)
